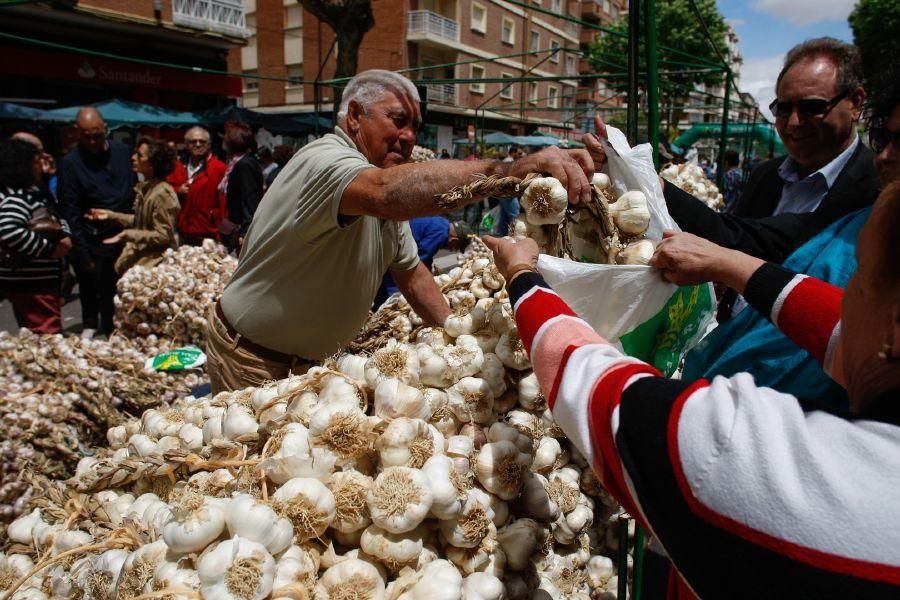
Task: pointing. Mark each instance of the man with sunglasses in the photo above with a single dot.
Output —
(197, 183)
(818, 104)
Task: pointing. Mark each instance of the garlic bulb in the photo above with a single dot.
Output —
(545, 201)
(631, 213)
(353, 366)
(511, 351)
(435, 337)
(257, 522)
(195, 521)
(536, 501)
(408, 443)
(494, 373)
(473, 523)
(483, 586)
(104, 571)
(636, 253)
(440, 580)
(292, 457)
(448, 486)
(307, 504)
(519, 540)
(137, 570)
(350, 489)
(236, 569)
(471, 399)
(547, 454)
(392, 549)
(395, 399)
(601, 180)
(433, 368)
(340, 430)
(20, 530)
(395, 360)
(351, 578)
(501, 467)
(465, 358)
(400, 499)
(530, 395)
(296, 564)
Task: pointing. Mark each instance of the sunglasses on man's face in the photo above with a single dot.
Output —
(196, 142)
(881, 137)
(808, 107)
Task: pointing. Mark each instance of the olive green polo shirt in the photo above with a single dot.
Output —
(307, 278)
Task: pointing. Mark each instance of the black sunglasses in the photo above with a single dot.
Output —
(881, 137)
(808, 107)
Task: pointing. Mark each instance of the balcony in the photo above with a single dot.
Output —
(592, 11)
(219, 16)
(429, 27)
(442, 93)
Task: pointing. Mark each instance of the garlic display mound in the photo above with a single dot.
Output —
(301, 488)
(545, 201)
(171, 299)
(691, 178)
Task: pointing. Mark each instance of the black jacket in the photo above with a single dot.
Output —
(763, 189)
(774, 238)
(245, 190)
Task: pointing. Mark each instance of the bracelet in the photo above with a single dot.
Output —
(518, 268)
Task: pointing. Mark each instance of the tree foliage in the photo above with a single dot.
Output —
(677, 27)
(876, 32)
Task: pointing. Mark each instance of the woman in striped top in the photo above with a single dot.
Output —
(30, 274)
(751, 493)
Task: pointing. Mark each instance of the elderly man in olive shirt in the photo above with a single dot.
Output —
(331, 226)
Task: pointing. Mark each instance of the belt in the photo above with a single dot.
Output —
(256, 349)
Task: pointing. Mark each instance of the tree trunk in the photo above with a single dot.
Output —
(350, 20)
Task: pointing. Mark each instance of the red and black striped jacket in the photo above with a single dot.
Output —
(751, 495)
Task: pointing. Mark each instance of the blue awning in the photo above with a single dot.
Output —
(121, 113)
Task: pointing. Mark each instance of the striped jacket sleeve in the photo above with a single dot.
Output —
(805, 309)
(749, 495)
(15, 212)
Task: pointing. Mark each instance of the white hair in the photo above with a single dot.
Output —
(198, 128)
(369, 86)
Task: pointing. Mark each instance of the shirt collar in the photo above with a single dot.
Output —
(788, 169)
(346, 138)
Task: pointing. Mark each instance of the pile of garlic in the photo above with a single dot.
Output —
(429, 469)
(609, 230)
(693, 180)
(475, 249)
(59, 395)
(171, 299)
(420, 154)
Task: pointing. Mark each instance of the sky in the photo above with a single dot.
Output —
(769, 28)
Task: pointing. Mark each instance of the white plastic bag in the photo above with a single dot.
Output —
(619, 300)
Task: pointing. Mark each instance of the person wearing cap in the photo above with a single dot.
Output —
(431, 235)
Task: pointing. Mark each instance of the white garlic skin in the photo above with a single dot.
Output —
(214, 570)
(631, 213)
(636, 253)
(545, 201)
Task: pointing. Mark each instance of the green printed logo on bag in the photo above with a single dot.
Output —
(189, 357)
(663, 339)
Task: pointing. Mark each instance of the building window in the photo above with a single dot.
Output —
(532, 92)
(508, 31)
(606, 6)
(293, 16)
(507, 90)
(476, 72)
(615, 12)
(570, 64)
(554, 57)
(251, 84)
(553, 96)
(295, 76)
(479, 18)
(535, 41)
(556, 6)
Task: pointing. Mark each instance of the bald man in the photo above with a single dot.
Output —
(96, 173)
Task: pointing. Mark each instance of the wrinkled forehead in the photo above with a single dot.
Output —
(397, 99)
(809, 77)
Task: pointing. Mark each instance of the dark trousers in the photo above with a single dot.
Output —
(97, 288)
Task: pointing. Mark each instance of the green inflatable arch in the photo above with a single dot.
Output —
(763, 134)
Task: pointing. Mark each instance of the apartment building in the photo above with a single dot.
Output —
(66, 53)
(597, 94)
(461, 51)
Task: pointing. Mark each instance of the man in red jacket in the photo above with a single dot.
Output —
(197, 184)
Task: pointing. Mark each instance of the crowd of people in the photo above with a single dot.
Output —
(112, 207)
(769, 469)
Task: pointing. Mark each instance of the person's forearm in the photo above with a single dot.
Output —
(422, 293)
(407, 191)
(734, 269)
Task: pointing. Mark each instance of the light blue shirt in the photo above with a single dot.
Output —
(805, 195)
